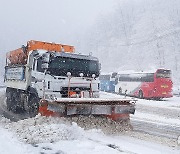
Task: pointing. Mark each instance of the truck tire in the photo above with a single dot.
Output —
(12, 100)
(33, 105)
(9, 99)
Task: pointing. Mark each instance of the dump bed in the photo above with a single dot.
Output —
(20, 56)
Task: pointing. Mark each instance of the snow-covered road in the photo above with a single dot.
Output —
(59, 136)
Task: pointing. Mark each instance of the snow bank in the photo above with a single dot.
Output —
(50, 129)
(107, 125)
(44, 129)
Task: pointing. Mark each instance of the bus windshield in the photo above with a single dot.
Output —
(163, 74)
(59, 66)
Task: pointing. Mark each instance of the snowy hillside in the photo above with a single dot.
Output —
(138, 35)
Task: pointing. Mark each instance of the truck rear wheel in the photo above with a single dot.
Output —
(12, 100)
(9, 99)
(33, 105)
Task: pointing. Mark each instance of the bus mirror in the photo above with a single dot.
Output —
(114, 74)
(116, 81)
(99, 66)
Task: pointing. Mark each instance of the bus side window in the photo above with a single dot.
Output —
(149, 78)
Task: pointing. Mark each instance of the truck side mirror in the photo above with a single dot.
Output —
(99, 66)
(45, 60)
(44, 65)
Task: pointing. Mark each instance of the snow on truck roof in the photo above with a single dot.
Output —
(69, 55)
(76, 56)
(20, 56)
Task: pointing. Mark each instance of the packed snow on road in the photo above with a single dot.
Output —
(50, 135)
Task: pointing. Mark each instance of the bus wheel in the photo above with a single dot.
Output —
(140, 94)
(158, 99)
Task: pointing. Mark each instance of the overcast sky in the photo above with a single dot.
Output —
(60, 21)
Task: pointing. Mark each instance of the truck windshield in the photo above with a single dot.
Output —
(61, 65)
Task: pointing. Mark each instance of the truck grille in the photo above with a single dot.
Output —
(64, 90)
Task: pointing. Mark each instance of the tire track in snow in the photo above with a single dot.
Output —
(112, 146)
(156, 129)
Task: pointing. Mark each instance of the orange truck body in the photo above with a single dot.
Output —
(20, 56)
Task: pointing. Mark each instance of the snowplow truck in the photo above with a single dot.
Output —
(50, 79)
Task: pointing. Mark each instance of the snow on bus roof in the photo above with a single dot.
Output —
(139, 72)
(134, 72)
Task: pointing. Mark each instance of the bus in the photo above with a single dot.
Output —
(149, 85)
(107, 82)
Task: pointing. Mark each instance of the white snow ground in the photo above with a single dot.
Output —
(58, 136)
